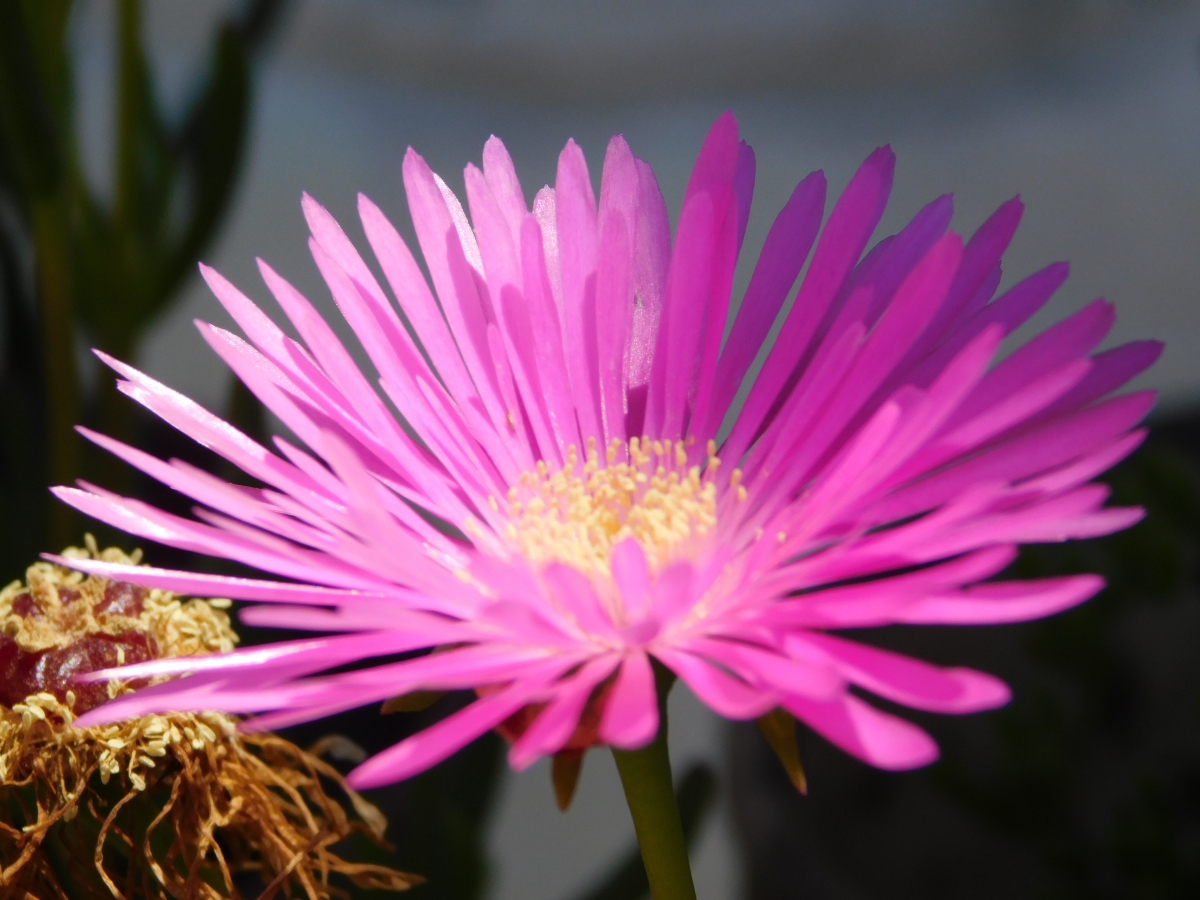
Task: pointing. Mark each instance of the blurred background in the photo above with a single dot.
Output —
(140, 137)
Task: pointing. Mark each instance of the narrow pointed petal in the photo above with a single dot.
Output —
(630, 718)
(878, 738)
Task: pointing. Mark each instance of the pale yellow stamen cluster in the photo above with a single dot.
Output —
(644, 490)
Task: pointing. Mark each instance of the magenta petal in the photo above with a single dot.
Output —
(774, 671)
(850, 225)
(630, 718)
(631, 575)
(556, 723)
(743, 189)
(652, 255)
(729, 696)
(990, 604)
(911, 682)
(875, 737)
(683, 317)
(196, 584)
(1110, 370)
(1009, 311)
(411, 290)
(783, 255)
(578, 242)
(501, 177)
(431, 746)
(698, 282)
(981, 261)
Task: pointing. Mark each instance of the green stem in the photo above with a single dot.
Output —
(650, 793)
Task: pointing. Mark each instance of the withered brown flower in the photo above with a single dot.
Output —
(171, 805)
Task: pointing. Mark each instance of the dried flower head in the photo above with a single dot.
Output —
(169, 805)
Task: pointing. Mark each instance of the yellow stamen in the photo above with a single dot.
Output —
(646, 491)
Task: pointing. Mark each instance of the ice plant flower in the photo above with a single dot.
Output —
(195, 801)
(567, 484)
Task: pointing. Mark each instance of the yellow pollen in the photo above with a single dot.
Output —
(644, 490)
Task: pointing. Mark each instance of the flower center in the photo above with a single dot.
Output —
(644, 490)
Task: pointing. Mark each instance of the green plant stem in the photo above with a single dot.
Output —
(650, 793)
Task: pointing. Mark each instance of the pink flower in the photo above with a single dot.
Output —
(568, 406)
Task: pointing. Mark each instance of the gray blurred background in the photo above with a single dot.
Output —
(1089, 110)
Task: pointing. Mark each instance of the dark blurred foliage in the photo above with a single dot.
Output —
(1086, 786)
(437, 821)
(77, 267)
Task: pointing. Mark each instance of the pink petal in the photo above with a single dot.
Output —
(631, 574)
(578, 242)
(771, 671)
(431, 746)
(728, 696)
(556, 723)
(547, 338)
(697, 285)
(863, 731)
(630, 718)
(501, 177)
(652, 254)
(408, 284)
(195, 584)
(990, 604)
(441, 229)
(779, 264)
(614, 309)
(911, 682)
(845, 235)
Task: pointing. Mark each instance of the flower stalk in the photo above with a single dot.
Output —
(650, 793)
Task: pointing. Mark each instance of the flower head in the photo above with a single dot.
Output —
(566, 485)
(207, 798)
